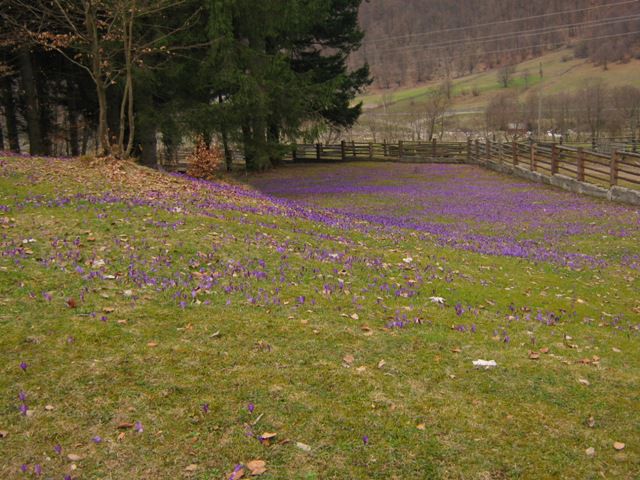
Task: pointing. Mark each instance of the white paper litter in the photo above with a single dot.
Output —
(484, 363)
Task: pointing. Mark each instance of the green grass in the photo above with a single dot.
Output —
(155, 362)
(561, 73)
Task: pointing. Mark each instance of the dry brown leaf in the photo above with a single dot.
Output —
(618, 445)
(361, 369)
(348, 359)
(584, 381)
(544, 350)
(590, 451)
(381, 363)
(236, 474)
(257, 467)
(456, 350)
(192, 468)
(121, 436)
(71, 303)
(421, 426)
(74, 457)
(152, 344)
(591, 422)
(108, 309)
(355, 316)
(3, 434)
(49, 408)
(125, 425)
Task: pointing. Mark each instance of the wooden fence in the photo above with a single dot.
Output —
(619, 168)
(387, 152)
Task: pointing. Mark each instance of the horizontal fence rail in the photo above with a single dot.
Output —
(619, 168)
(390, 152)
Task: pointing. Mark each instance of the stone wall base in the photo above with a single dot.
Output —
(615, 194)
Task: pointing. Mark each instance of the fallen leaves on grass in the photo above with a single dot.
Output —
(257, 467)
(192, 468)
(618, 446)
(267, 437)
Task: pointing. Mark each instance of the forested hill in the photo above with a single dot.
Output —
(412, 41)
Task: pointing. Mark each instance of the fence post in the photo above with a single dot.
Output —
(477, 159)
(384, 147)
(370, 151)
(514, 147)
(468, 150)
(343, 150)
(318, 151)
(533, 157)
(613, 180)
(580, 165)
(554, 159)
(353, 149)
(488, 149)
(433, 148)
(294, 153)
(400, 149)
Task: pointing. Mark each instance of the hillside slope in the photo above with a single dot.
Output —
(155, 326)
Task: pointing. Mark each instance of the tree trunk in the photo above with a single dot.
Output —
(273, 135)
(102, 144)
(1, 140)
(228, 158)
(148, 145)
(72, 116)
(9, 105)
(32, 113)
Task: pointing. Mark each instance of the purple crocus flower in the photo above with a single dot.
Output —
(251, 407)
(205, 408)
(22, 396)
(47, 296)
(97, 439)
(57, 449)
(37, 469)
(138, 427)
(365, 439)
(24, 409)
(23, 366)
(24, 468)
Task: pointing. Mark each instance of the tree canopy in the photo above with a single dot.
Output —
(244, 72)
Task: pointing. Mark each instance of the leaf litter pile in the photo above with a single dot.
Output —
(152, 325)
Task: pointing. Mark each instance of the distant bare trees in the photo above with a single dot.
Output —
(435, 108)
(415, 41)
(505, 75)
(593, 111)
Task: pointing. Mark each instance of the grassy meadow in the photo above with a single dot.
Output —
(320, 319)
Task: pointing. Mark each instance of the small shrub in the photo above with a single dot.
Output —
(205, 161)
(475, 91)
